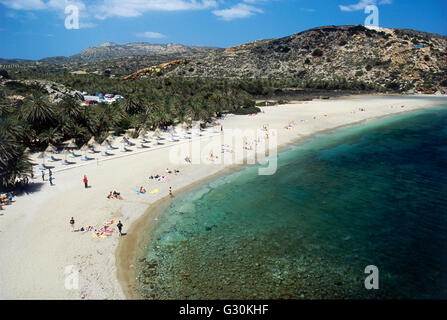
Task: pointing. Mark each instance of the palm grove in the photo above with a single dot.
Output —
(31, 122)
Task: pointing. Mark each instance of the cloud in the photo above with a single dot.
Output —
(102, 9)
(57, 5)
(135, 8)
(238, 11)
(24, 4)
(362, 4)
(151, 35)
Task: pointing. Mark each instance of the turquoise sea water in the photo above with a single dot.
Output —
(369, 194)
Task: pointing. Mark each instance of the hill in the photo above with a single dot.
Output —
(397, 59)
(110, 50)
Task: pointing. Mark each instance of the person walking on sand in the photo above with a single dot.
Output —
(85, 181)
(51, 180)
(120, 226)
(72, 222)
(50, 173)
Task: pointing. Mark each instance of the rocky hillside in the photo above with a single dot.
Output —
(155, 70)
(111, 50)
(18, 89)
(397, 59)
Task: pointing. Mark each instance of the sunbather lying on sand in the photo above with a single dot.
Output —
(111, 196)
(142, 190)
(114, 195)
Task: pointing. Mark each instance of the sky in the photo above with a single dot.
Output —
(34, 29)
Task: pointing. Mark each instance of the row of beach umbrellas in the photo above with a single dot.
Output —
(70, 145)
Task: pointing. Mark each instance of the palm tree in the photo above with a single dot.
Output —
(196, 110)
(69, 107)
(75, 131)
(133, 104)
(14, 161)
(11, 127)
(51, 135)
(17, 167)
(38, 111)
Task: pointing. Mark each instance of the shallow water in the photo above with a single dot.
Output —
(369, 194)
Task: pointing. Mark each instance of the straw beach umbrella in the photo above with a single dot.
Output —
(71, 144)
(106, 143)
(42, 156)
(66, 151)
(111, 138)
(124, 140)
(50, 148)
(92, 142)
(85, 148)
(142, 134)
(157, 134)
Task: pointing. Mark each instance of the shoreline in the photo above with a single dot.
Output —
(132, 248)
(33, 265)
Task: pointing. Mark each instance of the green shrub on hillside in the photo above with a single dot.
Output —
(317, 53)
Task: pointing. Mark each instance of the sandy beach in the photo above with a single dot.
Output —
(38, 250)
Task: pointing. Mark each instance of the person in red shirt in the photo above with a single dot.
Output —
(85, 181)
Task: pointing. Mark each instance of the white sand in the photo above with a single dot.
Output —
(36, 242)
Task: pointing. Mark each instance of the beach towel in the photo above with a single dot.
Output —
(100, 235)
(109, 223)
(154, 191)
(106, 229)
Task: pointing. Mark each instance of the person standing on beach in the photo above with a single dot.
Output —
(50, 173)
(51, 180)
(85, 181)
(43, 175)
(72, 222)
(170, 192)
(120, 226)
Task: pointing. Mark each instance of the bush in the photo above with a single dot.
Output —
(359, 73)
(427, 58)
(4, 74)
(393, 86)
(244, 111)
(317, 53)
